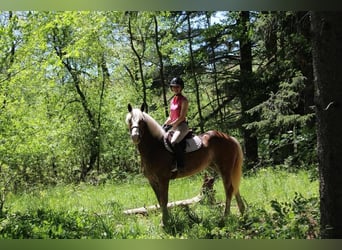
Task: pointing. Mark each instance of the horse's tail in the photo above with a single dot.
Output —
(237, 168)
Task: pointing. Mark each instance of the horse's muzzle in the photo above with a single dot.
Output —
(135, 138)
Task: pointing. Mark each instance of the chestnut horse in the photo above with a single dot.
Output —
(219, 151)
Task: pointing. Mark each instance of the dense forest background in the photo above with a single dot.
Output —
(66, 79)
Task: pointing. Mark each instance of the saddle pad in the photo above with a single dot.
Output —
(192, 144)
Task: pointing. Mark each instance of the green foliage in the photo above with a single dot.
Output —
(284, 118)
(286, 134)
(290, 220)
(297, 219)
(66, 78)
(49, 128)
(42, 224)
(278, 111)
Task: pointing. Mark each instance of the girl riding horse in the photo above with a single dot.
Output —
(219, 151)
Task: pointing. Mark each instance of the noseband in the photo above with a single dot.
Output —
(139, 130)
(137, 127)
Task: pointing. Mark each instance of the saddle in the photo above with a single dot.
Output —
(190, 143)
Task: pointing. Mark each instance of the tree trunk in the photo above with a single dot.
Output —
(105, 81)
(192, 62)
(161, 65)
(212, 61)
(246, 93)
(93, 139)
(7, 63)
(140, 59)
(327, 54)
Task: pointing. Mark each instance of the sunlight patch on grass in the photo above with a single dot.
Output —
(270, 184)
(258, 189)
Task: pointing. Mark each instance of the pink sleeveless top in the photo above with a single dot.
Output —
(176, 106)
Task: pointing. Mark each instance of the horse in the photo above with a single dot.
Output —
(219, 151)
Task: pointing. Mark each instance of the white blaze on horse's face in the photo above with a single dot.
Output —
(135, 133)
(134, 120)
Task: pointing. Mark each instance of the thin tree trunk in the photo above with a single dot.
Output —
(8, 63)
(212, 61)
(105, 80)
(161, 66)
(139, 57)
(246, 93)
(192, 62)
(94, 134)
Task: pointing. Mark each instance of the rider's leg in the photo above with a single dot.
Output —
(178, 146)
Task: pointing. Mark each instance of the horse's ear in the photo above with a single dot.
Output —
(144, 107)
(129, 107)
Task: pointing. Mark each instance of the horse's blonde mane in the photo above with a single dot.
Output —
(154, 127)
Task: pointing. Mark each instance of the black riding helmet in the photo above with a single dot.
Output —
(177, 81)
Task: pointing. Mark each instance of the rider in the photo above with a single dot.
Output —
(177, 120)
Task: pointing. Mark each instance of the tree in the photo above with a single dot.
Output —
(85, 68)
(282, 60)
(22, 151)
(161, 64)
(327, 54)
(248, 95)
(66, 78)
(192, 69)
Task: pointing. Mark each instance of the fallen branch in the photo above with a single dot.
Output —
(146, 210)
(206, 191)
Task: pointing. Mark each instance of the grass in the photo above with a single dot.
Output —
(275, 184)
(99, 199)
(87, 211)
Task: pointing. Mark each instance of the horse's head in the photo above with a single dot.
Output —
(134, 119)
(138, 121)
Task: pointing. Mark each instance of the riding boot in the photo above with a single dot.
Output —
(178, 150)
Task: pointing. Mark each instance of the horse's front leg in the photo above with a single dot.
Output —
(161, 190)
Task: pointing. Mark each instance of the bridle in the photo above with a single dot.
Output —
(135, 127)
(138, 134)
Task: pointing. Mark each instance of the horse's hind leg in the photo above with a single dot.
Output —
(229, 194)
(240, 203)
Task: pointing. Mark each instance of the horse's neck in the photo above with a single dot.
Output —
(149, 144)
(153, 127)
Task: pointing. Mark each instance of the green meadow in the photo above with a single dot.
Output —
(279, 205)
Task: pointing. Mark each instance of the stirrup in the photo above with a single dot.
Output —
(174, 167)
